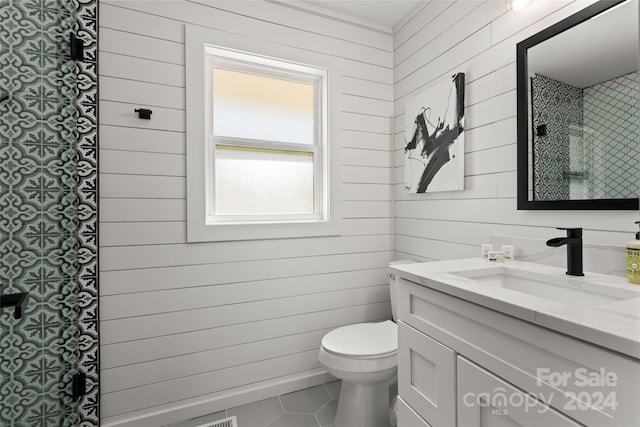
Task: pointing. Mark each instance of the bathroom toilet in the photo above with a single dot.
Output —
(364, 357)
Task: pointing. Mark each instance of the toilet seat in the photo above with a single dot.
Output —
(363, 340)
(370, 348)
(363, 347)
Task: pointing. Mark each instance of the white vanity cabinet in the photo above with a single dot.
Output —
(485, 400)
(462, 364)
(426, 373)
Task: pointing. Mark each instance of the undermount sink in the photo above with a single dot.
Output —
(598, 308)
(569, 290)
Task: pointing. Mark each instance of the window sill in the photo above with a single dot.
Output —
(226, 232)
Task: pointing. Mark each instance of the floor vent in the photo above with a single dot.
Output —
(226, 422)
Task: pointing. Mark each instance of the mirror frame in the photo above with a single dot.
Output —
(523, 120)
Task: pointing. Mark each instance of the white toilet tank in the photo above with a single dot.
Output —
(393, 287)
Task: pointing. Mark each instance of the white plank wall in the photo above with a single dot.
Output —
(478, 38)
(188, 329)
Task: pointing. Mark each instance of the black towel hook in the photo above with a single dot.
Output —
(143, 113)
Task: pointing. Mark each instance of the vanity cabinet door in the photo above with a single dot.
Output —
(427, 376)
(485, 400)
(408, 417)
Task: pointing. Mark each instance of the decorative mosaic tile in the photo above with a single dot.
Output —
(48, 212)
(559, 107)
(86, 13)
(590, 148)
(611, 110)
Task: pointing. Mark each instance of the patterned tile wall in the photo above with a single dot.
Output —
(38, 215)
(87, 193)
(611, 117)
(559, 107)
(48, 233)
(591, 145)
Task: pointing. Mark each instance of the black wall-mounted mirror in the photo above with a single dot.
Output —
(578, 101)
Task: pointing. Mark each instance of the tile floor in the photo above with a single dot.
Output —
(312, 407)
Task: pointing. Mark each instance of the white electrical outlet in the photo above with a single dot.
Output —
(509, 251)
(485, 248)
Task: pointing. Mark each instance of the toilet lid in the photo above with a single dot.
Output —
(363, 339)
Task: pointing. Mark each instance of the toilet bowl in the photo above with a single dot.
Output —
(364, 357)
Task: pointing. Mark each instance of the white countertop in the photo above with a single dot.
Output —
(614, 325)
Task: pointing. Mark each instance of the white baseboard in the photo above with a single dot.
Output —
(203, 405)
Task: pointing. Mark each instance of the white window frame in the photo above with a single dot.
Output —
(202, 223)
(239, 61)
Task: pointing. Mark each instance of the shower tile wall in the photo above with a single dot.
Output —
(87, 194)
(38, 213)
(611, 111)
(46, 215)
(590, 147)
(559, 107)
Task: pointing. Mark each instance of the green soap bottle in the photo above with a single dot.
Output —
(633, 259)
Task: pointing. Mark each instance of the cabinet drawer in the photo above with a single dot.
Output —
(485, 400)
(426, 376)
(407, 417)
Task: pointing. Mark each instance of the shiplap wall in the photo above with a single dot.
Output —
(189, 329)
(478, 38)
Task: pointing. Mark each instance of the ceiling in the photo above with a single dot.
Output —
(382, 12)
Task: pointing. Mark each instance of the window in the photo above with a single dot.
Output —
(257, 152)
(265, 147)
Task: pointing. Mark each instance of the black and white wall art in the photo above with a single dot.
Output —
(434, 135)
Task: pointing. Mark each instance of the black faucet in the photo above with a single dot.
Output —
(574, 249)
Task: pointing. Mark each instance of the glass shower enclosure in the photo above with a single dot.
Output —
(38, 215)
